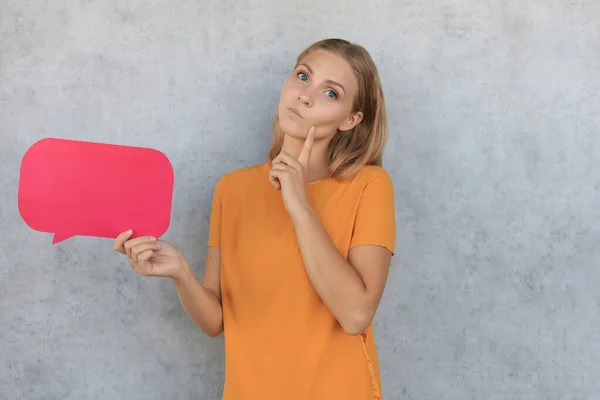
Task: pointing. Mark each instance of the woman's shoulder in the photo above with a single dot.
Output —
(370, 173)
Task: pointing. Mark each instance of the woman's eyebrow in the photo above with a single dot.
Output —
(328, 80)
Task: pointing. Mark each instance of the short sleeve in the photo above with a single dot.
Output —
(214, 237)
(375, 222)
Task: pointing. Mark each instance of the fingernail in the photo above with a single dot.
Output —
(158, 246)
(130, 231)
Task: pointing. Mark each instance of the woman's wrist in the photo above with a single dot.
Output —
(303, 214)
(183, 273)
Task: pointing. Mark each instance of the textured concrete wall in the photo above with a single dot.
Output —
(494, 152)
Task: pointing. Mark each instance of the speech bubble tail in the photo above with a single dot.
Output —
(59, 237)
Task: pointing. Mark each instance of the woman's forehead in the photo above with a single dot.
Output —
(328, 65)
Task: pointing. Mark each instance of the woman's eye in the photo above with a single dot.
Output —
(302, 76)
(332, 94)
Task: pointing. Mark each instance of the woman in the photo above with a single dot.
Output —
(300, 246)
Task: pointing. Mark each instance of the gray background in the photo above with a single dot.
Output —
(493, 109)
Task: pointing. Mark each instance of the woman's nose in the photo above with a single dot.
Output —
(304, 97)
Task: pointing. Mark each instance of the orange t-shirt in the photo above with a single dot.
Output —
(281, 341)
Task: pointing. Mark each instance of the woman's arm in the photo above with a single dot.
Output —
(351, 288)
(202, 302)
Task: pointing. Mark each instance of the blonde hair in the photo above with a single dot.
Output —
(363, 145)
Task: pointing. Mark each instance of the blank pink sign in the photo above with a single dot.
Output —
(70, 187)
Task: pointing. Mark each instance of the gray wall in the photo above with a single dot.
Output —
(494, 151)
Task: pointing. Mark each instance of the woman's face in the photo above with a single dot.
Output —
(320, 91)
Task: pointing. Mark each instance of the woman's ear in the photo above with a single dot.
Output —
(351, 121)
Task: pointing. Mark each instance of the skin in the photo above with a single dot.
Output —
(350, 288)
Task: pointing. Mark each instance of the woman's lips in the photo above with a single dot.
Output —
(295, 112)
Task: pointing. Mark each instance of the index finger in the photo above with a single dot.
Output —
(308, 143)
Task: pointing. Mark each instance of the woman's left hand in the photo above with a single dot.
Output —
(290, 175)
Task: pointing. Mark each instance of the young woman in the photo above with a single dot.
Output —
(300, 246)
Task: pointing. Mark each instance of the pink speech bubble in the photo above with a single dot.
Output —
(70, 187)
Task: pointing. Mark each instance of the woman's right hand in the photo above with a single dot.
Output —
(149, 256)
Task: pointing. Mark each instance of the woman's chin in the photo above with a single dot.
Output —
(294, 130)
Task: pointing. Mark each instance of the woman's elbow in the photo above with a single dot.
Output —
(213, 332)
(357, 323)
